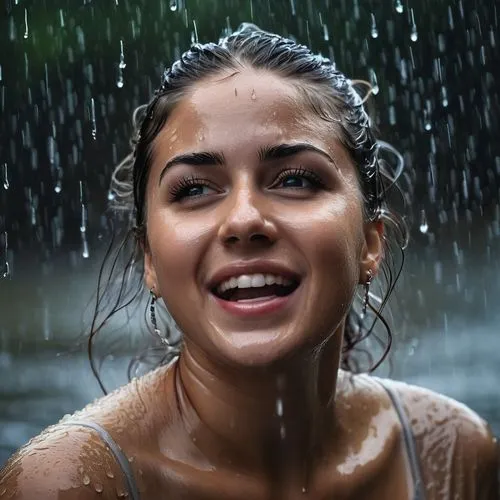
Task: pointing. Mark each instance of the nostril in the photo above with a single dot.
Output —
(258, 237)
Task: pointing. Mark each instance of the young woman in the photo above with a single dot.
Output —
(259, 204)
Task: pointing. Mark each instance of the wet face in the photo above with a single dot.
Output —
(256, 240)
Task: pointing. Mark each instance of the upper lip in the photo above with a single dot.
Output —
(254, 267)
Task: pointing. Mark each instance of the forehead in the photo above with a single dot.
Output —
(234, 110)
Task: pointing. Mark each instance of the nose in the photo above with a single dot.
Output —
(245, 221)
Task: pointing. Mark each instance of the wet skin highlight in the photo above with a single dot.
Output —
(256, 407)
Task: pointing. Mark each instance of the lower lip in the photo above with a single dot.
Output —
(255, 308)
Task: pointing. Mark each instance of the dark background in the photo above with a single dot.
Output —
(436, 68)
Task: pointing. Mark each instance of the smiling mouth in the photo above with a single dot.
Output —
(266, 292)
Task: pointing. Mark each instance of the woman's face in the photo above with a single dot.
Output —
(248, 186)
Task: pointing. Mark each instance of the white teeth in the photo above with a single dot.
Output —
(252, 281)
(258, 280)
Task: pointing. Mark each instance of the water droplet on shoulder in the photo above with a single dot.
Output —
(121, 493)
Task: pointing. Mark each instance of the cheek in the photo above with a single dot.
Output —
(333, 234)
(176, 248)
(332, 243)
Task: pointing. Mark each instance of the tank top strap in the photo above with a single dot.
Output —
(409, 440)
(117, 452)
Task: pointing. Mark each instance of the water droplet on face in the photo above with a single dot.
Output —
(110, 474)
(98, 487)
(254, 95)
(86, 480)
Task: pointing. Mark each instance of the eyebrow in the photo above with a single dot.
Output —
(266, 153)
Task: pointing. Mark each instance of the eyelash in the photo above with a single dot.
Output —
(178, 191)
(311, 176)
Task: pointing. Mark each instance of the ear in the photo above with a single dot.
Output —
(149, 269)
(373, 249)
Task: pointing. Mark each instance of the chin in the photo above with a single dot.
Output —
(259, 349)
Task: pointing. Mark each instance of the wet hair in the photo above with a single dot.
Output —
(330, 95)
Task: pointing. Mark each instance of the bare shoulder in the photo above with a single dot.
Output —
(73, 461)
(62, 462)
(451, 437)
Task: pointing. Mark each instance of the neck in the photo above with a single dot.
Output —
(270, 421)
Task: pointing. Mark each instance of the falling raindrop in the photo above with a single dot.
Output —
(326, 35)
(46, 323)
(282, 431)
(399, 6)
(122, 64)
(85, 250)
(61, 18)
(93, 119)
(424, 226)
(83, 219)
(427, 121)
(413, 346)
(414, 32)
(374, 30)
(119, 81)
(173, 5)
(5, 177)
(427, 116)
(279, 407)
(444, 96)
(6, 267)
(194, 34)
(292, 7)
(26, 30)
(374, 82)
